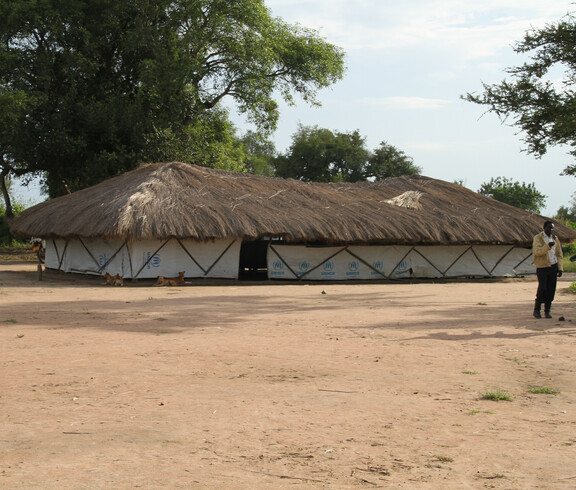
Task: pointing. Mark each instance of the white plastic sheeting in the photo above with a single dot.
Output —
(145, 259)
(397, 262)
(220, 259)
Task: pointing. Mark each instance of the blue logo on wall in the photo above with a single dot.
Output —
(154, 262)
(102, 259)
(378, 265)
(304, 266)
(328, 268)
(278, 265)
(353, 269)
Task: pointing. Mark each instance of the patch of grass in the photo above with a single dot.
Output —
(20, 335)
(543, 390)
(470, 372)
(569, 266)
(495, 476)
(14, 246)
(475, 412)
(160, 319)
(10, 320)
(515, 359)
(444, 459)
(496, 396)
(472, 412)
(481, 303)
(572, 287)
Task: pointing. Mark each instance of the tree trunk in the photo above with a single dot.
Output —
(9, 212)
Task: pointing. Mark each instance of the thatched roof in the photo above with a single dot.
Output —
(186, 201)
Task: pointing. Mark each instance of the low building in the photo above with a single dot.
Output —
(164, 218)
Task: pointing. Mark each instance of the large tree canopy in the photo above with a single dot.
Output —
(90, 88)
(320, 155)
(536, 99)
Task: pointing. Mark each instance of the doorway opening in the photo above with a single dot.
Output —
(253, 265)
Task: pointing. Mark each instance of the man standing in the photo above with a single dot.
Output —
(547, 257)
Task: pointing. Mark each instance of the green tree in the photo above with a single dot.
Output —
(543, 109)
(567, 214)
(260, 154)
(320, 155)
(16, 208)
(522, 195)
(94, 87)
(388, 161)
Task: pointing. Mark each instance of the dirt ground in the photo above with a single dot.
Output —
(283, 385)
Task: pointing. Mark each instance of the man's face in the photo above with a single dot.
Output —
(548, 228)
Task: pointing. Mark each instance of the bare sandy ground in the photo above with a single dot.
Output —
(266, 385)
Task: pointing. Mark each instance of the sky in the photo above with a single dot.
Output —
(408, 63)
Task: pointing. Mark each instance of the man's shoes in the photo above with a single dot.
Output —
(547, 314)
(537, 314)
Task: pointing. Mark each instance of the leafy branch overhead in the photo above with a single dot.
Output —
(91, 88)
(533, 99)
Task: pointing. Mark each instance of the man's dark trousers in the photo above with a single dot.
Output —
(547, 278)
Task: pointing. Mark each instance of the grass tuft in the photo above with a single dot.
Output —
(543, 390)
(475, 412)
(496, 396)
(444, 459)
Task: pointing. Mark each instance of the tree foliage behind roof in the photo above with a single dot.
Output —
(320, 155)
(522, 195)
(159, 201)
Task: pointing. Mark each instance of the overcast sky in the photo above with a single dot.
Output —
(407, 65)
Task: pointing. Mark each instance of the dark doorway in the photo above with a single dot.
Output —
(253, 266)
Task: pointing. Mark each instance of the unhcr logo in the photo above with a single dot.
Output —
(377, 267)
(154, 262)
(277, 268)
(353, 268)
(328, 268)
(304, 266)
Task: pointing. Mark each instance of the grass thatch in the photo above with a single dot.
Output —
(186, 201)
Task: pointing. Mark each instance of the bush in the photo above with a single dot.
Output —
(6, 237)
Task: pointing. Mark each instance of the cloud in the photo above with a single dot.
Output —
(472, 30)
(411, 103)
